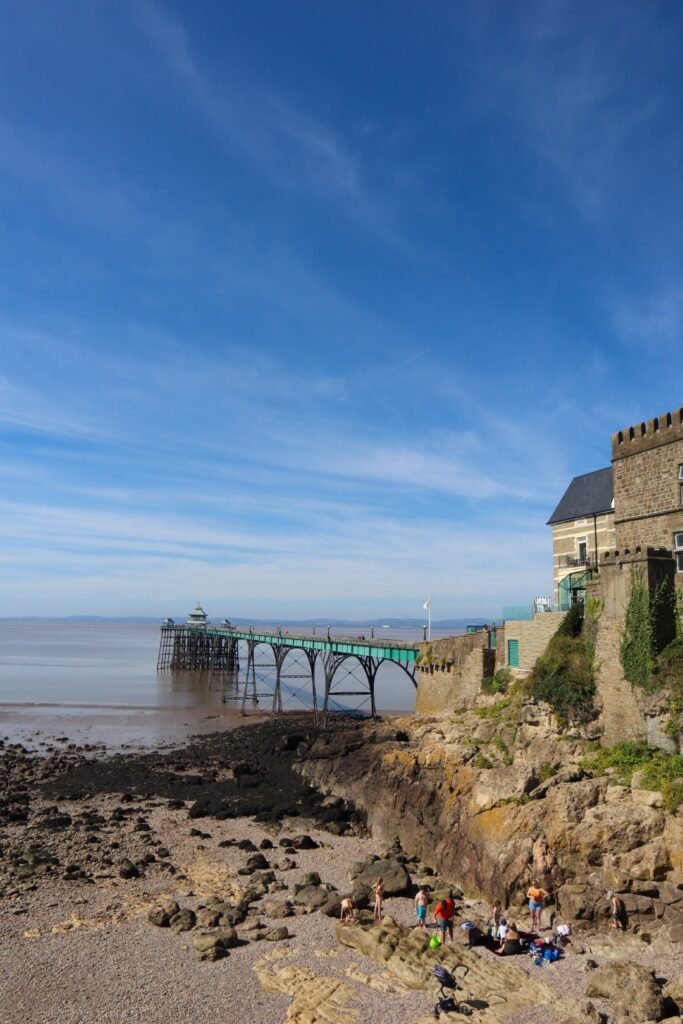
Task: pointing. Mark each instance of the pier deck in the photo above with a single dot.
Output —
(196, 647)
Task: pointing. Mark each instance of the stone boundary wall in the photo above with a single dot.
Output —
(453, 679)
(533, 636)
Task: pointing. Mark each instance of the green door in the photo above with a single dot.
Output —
(513, 653)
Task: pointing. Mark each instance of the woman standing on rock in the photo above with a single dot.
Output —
(536, 895)
(378, 889)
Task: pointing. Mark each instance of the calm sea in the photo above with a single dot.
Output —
(114, 664)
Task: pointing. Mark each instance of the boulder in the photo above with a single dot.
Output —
(256, 862)
(233, 916)
(251, 925)
(183, 921)
(228, 937)
(357, 867)
(312, 897)
(276, 934)
(276, 908)
(302, 843)
(208, 917)
(128, 869)
(630, 987)
(673, 992)
(310, 878)
(332, 908)
(208, 947)
(161, 915)
(394, 875)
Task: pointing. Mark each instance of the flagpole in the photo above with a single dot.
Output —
(428, 608)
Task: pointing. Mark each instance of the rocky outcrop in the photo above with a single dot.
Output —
(496, 990)
(630, 987)
(495, 796)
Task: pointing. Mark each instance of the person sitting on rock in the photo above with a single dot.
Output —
(421, 901)
(347, 910)
(378, 889)
(536, 895)
(443, 917)
(618, 911)
(512, 943)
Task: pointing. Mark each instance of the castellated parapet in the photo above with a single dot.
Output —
(652, 564)
(647, 475)
(661, 430)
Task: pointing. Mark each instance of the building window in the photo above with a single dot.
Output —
(581, 550)
(680, 484)
(678, 551)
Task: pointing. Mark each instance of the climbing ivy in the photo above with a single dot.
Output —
(636, 640)
(650, 626)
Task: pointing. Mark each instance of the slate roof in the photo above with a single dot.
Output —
(588, 495)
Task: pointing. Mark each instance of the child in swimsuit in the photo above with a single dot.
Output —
(421, 901)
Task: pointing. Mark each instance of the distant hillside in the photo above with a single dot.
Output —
(377, 623)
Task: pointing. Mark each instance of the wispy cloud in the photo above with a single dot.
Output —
(572, 95)
(657, 323)
(289, 146)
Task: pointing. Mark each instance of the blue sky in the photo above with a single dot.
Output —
(315, 309)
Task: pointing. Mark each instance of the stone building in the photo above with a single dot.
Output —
(583, 527)
(647, 472)
(637, 502)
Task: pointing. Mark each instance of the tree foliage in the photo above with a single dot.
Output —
(564, 676)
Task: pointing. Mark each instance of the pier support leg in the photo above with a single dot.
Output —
(312, 661)
(279, 653)
(249, 675)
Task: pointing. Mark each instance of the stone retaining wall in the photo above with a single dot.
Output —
(451, 671)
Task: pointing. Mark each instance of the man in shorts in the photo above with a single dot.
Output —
(421, 901)
(443, 917)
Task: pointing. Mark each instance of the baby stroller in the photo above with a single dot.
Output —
(448, 983)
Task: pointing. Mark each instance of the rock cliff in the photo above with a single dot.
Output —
(497, 795)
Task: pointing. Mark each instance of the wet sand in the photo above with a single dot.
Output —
(114, 727)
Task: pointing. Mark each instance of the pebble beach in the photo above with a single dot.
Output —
(95, 842)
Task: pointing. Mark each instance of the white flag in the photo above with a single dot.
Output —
(428, 604)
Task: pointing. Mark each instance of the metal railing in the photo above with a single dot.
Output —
(586, 561)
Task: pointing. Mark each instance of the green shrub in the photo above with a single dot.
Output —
(563, 677)
(482, 762)
(494, 711)
(572, 623)
(497, 683)
(661, 770)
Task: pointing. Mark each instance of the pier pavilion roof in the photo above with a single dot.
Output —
(198, 617)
